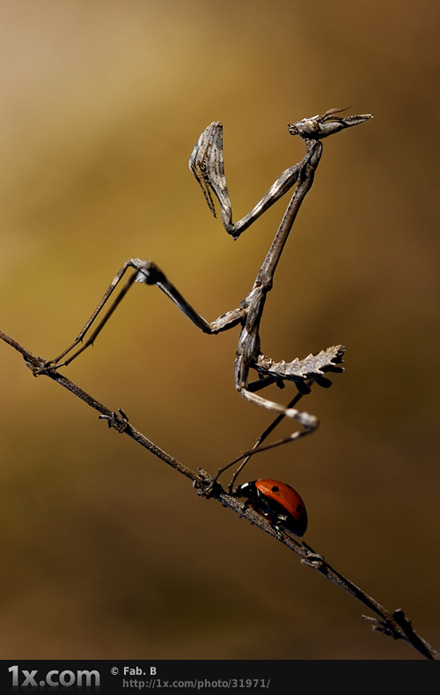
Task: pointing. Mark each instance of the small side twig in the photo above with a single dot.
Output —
(395, 624)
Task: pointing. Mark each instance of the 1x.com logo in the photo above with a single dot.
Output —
(54, 678)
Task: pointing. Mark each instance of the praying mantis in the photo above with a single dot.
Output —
(206, 163)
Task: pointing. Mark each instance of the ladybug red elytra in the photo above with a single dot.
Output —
(277, 501)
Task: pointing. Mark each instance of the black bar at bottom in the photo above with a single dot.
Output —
(126, 677)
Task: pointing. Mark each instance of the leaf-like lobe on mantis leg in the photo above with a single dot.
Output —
(206, 163)
(311, 368)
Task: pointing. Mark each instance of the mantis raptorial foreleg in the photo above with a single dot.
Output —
(206, 163)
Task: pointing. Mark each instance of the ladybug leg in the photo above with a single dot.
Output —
(275, 519)
(277, 524)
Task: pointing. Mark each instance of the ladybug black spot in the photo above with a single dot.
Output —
(275, 488)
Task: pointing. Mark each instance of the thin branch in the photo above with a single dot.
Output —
(118, 421)
(393, 624)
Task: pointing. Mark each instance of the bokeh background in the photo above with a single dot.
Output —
(106, 552)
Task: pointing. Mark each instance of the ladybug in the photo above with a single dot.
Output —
(277, 501)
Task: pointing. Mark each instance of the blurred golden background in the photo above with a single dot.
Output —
(106, 552)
